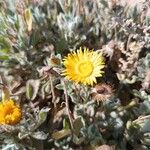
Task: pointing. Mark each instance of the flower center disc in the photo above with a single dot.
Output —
(85, 69)
(9, 111)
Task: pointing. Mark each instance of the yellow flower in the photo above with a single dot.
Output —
(10, 113)
(83, 66)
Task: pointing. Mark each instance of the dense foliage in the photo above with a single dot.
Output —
(58, 113)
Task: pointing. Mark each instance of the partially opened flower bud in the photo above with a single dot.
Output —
(102, 92)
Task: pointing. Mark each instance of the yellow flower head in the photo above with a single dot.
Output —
(83, 66)
(10, 113)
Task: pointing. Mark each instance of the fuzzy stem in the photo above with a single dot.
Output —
(130, 105)
(141, 119)
(128, 41)
(53, 93)
(67, 106)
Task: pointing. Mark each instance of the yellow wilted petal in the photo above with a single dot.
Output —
(28, 19)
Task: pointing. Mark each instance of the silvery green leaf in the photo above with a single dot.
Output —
(22, 135)
(4, 57)
(61, 134)
(39, 135)
(145, 107)
(10, 147)
(78, 124)
(32, 87)
(59, 86)
(146, 126)
(146, 139)
(78, 140)
(65, 124)
(43, 115)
